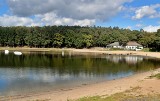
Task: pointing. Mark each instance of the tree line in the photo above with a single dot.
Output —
(74, 37)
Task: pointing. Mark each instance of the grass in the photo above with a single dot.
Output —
(122, 97)
(129, 95)
(116, 49)
(146, 50)
(155, 76)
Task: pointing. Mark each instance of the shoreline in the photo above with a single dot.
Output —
(84, 51)
(96, 89)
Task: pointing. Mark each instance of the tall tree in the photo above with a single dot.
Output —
(58, 40)
(87, 40)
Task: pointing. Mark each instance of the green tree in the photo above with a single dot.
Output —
(58, 40)
(69, 38)
(147, 39)
(29, 39)
(87, 40)
(20, 35)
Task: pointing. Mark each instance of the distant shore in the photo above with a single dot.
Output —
(148, 86)
(81, 51)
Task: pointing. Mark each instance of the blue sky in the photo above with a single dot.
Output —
(131, 14)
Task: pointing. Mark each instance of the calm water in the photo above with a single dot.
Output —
(33, 72)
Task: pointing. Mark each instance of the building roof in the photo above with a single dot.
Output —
(133, 43)
(114, 44)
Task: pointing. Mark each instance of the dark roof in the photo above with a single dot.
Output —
(114, 44)
(132, 43)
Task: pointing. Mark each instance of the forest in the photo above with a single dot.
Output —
(75, 37)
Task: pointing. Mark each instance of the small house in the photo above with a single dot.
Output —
(132, 45)
(114, 45)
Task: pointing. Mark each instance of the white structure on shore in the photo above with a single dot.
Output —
(6, 51)
(114, 45)
(132, 45)
(17, 53)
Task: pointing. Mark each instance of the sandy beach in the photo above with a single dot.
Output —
(148, 86)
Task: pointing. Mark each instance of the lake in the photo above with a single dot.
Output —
(42, 71)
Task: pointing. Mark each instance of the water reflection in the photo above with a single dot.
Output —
(127, 59)
(39, 72)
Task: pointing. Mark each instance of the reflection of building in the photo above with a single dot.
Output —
(114, 59)
(127, 59)
(133, 59)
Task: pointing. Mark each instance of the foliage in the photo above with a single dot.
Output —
(156, 76)
(74, 37)
(87, 40)
(57, 40)
(146, 50)
(121, 97)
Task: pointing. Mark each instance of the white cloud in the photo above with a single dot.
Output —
(60, 12)
(53, 19)
(41, 20)
(7, 20)
(74, 9)
(147, 11)
(151, 28)
(129, 27)
(139, 25)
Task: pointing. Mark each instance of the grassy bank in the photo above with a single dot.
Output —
(122, 97)
(128, 95)
(155, 76)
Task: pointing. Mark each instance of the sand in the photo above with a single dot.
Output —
(148, 86)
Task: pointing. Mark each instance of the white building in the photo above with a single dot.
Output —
(114, 45)
(132, 45)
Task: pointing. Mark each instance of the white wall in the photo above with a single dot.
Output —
(133, 47)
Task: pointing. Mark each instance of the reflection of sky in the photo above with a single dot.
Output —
(45, 75)
(23, 78)
(119, 75)
(3, 84)
(32, 74)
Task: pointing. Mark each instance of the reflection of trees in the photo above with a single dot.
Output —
(76, 65)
